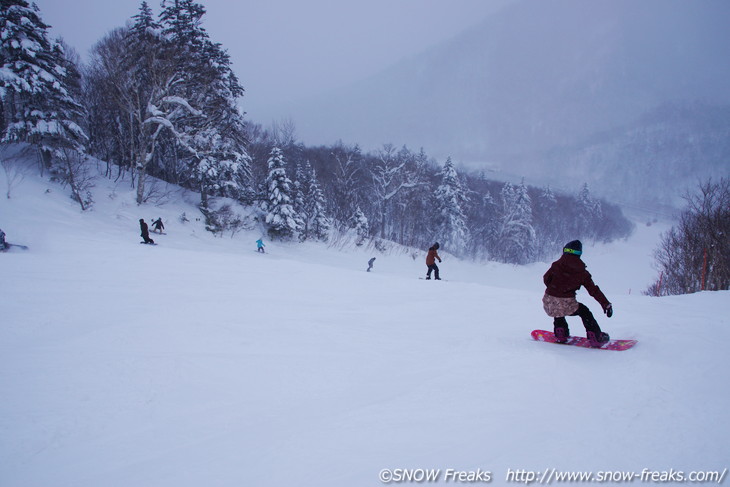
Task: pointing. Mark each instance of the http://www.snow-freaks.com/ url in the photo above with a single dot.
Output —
(547, 476)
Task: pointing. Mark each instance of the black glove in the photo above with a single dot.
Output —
(608, 310)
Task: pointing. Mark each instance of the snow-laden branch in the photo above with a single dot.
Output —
(401, 186)
(182, 102)
(166, 123)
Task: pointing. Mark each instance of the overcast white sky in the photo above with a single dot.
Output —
(288, 49)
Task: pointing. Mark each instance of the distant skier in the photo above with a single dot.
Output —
(431, 261)
(260, 246)
(145, 232)
(5, 245)
(370, 263)
(565, 276)
(158, 226)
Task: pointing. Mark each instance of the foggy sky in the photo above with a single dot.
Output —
(285, 50)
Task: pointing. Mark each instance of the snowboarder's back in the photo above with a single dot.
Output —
(565, 276)
(145, 232)
(431, 261)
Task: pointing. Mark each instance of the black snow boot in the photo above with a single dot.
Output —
(599, 339)
(560, 329)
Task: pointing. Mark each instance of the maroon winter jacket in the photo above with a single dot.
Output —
(566, 275)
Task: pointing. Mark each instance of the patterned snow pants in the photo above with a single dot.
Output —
(559, 307)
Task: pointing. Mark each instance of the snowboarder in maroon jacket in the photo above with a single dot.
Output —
(431, 261)
(565, 276)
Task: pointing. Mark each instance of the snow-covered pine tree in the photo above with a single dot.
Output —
(452, 230)
(549, 228)
(283, 222)
(149, 95)
(36, 103)
(516, 242)
(70, 76)
(297, 197)
(588, 214)
(219, 162)
(361, 226)
(318, 224)
(303, 199)
(220, 167)
(482, 216)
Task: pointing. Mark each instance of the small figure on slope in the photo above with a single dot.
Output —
(565, 276)
(145, 232)
(5, 245)
(431, 261)
(260, 246)
(370, 263)
(158, 226)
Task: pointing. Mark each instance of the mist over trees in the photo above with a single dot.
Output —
(160, 98)
(629, 96)
(406, 197)
(666, 150)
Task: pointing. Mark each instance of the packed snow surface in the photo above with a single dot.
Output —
(198, 362)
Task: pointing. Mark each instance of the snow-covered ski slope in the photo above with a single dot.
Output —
(199, 362)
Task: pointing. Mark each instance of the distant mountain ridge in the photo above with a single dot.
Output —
(535, 77)
(652, 162)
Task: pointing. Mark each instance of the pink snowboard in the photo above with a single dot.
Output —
(548, 336)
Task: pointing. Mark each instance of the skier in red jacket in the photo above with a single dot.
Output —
(565, 276)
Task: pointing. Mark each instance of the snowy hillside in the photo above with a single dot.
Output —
(200, 362)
